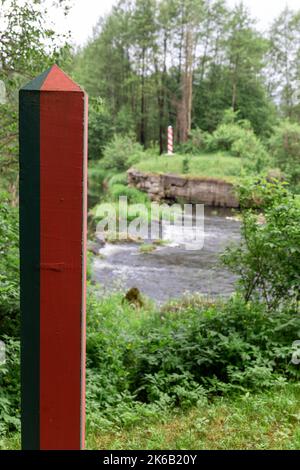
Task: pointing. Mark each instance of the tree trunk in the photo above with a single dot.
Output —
(184, 110)
(143, 111)
(234, 95)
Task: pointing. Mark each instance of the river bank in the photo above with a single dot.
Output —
(214, 192)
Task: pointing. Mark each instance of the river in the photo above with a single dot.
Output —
(171, 271)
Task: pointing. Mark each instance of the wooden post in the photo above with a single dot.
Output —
(53, 213)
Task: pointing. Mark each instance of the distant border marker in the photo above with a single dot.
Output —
(170, 140)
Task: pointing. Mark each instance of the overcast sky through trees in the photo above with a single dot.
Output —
(85, 14)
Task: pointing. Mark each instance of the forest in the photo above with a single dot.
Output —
(210, 359)
(184, 63)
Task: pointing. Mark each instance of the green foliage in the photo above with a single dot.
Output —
(9, 268)
(225, 136)
(233, 135)
(121, 153)
(141, 361)
(135, 61)
(134, 196)
(109, 324)
(101, 128)
(9, 316)
(185, 166)
(260, 421)
(284, 61)
(252, 152)
(195, 144)
(22, 43)
(268, 258)
(285, 149)
(239, 81)
(96, 177)
(28, 46)
(264, 420)
(234, 346)
(119, 178)
(124, 121)
(10, 387)
(239, 138)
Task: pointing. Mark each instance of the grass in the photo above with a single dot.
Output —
(269, 420)
(217, 165)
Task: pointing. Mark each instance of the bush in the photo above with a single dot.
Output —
(224, 137)
(238, 138)
(119, 178)
(268, 259)
(121, 154)
(96, 177)
(144, 360)
(251, 150)
(101, 128)
(134, 196)
(196, 143)
(285, 149)
(218, 347)
(9, 268)
(10, 387)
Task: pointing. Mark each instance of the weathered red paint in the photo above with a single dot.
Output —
(63, 216)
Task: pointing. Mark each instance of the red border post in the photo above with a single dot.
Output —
(53, 217)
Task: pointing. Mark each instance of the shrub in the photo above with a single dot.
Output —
(10, 387)
(119, 178)
(143, 361)
(285, 149)
(251, 150)
(224, 137)
(121, 153)
(96, 178)
(241, 142)
(9, 268)
(237, 137)
(219, 347)
(134, 196)
(177, 355)
(100, 128)
(268, 258)
(196, 143)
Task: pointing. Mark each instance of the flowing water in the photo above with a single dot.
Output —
(171, 271)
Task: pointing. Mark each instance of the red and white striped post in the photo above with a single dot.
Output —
(170, 140)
